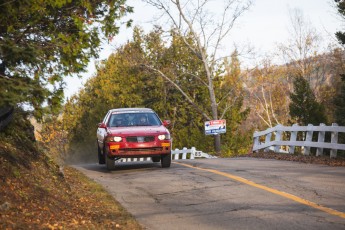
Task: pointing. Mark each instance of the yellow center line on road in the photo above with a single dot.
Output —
(275, 191)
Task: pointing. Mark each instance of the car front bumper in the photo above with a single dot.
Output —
(124, 150)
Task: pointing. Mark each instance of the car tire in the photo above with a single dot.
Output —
(156, 159)
(166, 160)
(101, 158)
(110, 163)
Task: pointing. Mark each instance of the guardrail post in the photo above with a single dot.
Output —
(278, 138)
(176, 157)
(256, 142)
(184, 154)
(308, 138)
(334, 139)
(293, 137)
(267, 140)
(321, 139)
(192, 153)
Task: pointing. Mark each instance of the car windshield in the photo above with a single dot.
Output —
(133, 119)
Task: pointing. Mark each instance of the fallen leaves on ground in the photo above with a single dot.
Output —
(324, 160)
(37, 198)
(36, 194)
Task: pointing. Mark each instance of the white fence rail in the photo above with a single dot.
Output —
(306, 143)
(189, 154)
(176, 154)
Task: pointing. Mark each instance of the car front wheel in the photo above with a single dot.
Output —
(101, 158)
(110, 163)
(166, 160)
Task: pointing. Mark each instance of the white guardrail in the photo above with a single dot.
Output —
(176, 154)
(307, 134)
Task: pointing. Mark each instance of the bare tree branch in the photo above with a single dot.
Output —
(224, 97)
(179, 89)
(227, 107)
(272, 111)
(198, 78)
(206, 36)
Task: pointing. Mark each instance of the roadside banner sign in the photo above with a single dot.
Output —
(215, 127)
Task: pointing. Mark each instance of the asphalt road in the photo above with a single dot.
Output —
(235, 193)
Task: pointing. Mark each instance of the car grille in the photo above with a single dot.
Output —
(142, 149)
(140, 139)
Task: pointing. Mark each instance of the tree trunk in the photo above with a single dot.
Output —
(217, 144)
(214, 108)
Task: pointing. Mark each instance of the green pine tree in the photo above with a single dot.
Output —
(339, 101)
(341, 10)
(304, 108)
(41, 42)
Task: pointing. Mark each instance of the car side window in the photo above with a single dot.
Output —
(153, 120)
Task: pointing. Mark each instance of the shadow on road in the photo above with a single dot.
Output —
(120, 166)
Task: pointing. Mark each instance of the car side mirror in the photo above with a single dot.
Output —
(166, 123)
(102, 125)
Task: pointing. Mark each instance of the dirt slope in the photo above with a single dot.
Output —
(36, 194)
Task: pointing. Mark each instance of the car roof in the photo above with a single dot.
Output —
(134, 110)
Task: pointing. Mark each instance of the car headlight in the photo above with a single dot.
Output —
(164, 137)
(117, 139)
(114, 139)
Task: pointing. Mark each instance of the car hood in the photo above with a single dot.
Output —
(137, 130)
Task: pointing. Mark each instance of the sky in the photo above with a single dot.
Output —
(265, 25)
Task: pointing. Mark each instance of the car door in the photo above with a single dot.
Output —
(101, 131)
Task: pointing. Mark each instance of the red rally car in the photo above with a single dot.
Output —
(131, 133)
